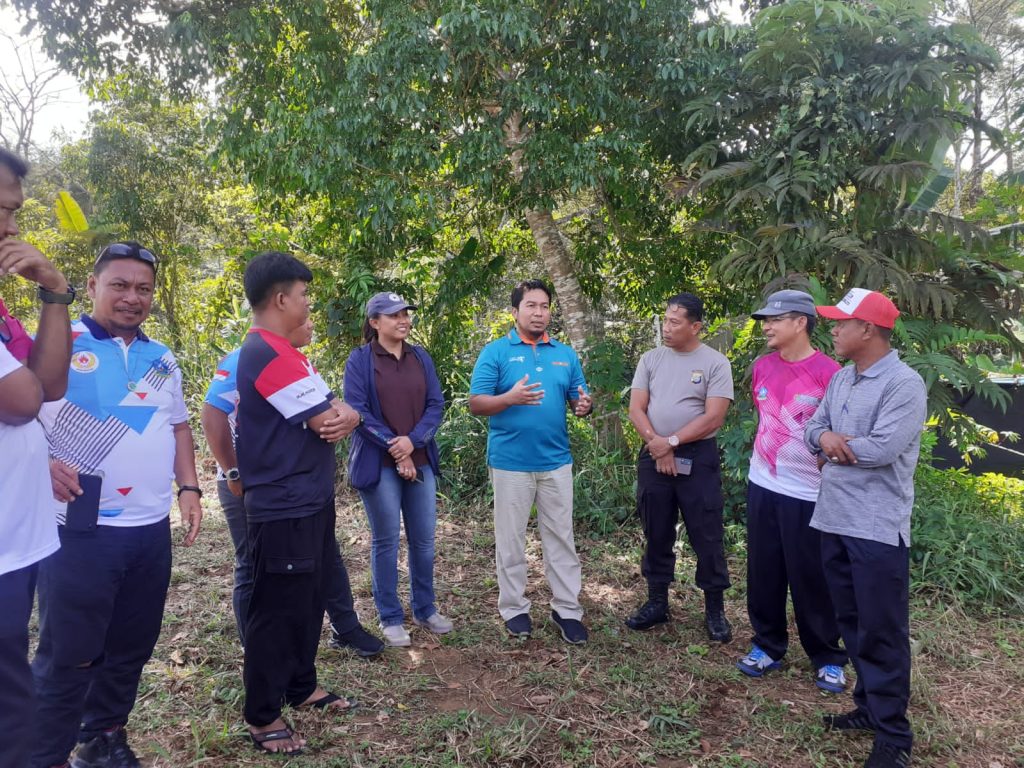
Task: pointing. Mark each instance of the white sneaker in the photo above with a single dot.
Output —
(436, 623)
(396, 636)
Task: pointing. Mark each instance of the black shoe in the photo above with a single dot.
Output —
(886, 755)
(857, 720)
(520, 626)
(718, 627)
(573, 631)
(108, 750)
(650, 614)
(359, 641)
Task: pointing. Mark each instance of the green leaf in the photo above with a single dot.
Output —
(69, 214)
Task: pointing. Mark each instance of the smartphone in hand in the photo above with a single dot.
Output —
(83, 511)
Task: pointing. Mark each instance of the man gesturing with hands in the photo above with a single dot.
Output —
(523, 382)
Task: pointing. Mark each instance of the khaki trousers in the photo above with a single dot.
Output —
(515, 494)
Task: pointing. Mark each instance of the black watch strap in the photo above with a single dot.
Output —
(51, 297)
(194, 488)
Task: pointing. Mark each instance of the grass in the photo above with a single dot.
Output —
(480, 698)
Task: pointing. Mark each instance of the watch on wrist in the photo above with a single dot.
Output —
(52, 297)
(193, 488)
(673, 440)
(233, 474)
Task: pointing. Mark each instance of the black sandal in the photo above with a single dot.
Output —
(260, 740)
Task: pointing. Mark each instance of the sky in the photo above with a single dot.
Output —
(71, 112)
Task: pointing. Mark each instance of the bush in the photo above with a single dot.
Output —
(967, 535)
(462, 444)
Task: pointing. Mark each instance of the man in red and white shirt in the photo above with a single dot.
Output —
(288, 420)
(783, 551)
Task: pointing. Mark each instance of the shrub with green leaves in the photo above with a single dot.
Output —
(967, 536)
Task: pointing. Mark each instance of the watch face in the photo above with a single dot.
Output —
(233, 474)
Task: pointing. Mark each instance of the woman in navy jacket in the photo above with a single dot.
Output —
(393, 460)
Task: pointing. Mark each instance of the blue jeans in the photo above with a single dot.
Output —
(234, 514)
(388, 503)
(340, 606)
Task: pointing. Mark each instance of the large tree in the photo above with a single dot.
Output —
(392, 112)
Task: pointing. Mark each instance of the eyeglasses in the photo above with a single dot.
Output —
(125, 251)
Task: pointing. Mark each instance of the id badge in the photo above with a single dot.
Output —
(683, 466)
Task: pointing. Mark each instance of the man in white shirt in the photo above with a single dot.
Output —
(121, 433)
(28, 528)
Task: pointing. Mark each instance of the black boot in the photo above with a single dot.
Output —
(654, 611)
(718, 627)
(885, 755)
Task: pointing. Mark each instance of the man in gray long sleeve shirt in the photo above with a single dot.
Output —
(867, 434)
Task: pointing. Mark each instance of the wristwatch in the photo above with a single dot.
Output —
(233, 474)
(673, 440)
(50, 297)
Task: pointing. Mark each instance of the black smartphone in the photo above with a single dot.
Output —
(84, 511)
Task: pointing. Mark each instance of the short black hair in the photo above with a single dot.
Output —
(812, 321)
(528, 285)
(885, 333)
(15, 164)
(691, 303)
(270, 271)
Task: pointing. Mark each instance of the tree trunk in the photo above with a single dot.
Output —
(555, 250)
(582, 322)
(973, 190)
(556, 253)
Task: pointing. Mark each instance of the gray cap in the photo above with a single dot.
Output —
(781, 302)
(386, 304)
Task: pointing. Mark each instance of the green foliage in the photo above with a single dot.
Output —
(967, 536)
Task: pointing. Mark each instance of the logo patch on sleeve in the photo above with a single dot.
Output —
(696, 377)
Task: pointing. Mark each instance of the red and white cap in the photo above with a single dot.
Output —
(862, 304)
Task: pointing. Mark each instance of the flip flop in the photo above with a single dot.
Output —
(325, 702)
(260, 740)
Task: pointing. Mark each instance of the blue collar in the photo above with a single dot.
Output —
(100, 333)
(513, 336)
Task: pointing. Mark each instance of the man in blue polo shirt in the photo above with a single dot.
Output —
(523, 382)
(118, 440)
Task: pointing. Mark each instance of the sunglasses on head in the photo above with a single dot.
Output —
(125, 251)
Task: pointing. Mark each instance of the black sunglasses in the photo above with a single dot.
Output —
(125, 251)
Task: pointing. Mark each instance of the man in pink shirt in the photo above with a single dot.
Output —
(783, 551)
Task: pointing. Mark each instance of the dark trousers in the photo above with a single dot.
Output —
(101, 603)
(660, 498)
(286, 611)
(340, 605)
(870, 586)
(784, 555)
(17, 700)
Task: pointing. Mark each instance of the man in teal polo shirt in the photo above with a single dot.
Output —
(523, 382)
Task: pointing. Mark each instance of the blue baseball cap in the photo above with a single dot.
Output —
(386, 303)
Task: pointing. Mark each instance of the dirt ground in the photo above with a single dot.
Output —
(478, 697)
